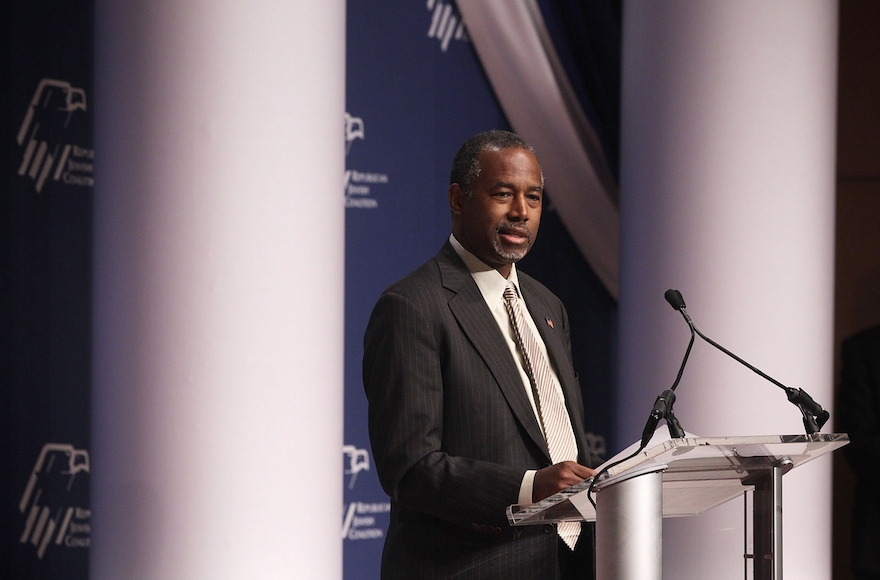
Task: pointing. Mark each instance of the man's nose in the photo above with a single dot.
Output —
(519, 208)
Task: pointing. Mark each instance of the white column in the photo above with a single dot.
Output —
(217, 416)
(727, 189)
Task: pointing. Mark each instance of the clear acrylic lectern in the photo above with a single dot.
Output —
(682, 477)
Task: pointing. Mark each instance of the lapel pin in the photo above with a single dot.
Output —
(549, 322)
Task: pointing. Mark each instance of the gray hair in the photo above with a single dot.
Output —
(466, 164)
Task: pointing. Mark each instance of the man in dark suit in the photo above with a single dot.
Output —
(456, 422)
(859, 414)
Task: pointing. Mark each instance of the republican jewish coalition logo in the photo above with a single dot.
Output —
(354, 129)
(358, 460)
(46, 133)
(362, 520)
(358, 185)
(53, 500)
(446, 23)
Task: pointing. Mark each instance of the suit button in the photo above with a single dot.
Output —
(475, 526)
(548, 529)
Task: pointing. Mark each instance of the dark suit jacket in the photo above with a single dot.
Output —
(859, 416)
(451, 427)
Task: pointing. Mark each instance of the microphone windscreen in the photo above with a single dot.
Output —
(675, 299)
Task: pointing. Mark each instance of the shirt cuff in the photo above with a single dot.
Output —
(525, 488)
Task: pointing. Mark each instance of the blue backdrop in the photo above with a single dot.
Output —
(415, 92)
(45, 287)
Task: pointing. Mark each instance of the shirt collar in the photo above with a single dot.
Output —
(488, 279)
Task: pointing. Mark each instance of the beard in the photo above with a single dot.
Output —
(512, 255)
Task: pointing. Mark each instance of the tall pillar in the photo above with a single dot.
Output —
(217, 401)
(727, 194)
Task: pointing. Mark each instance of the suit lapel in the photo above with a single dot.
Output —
(481, 329)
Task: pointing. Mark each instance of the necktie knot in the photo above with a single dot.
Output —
(510, 293)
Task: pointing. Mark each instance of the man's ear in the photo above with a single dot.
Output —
(456, 198)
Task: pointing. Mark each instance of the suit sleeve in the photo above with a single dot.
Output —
(404, 383)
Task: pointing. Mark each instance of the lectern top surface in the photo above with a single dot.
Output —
(699, 458)
(699, 473)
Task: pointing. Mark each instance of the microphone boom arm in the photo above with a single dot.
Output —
(814, 415)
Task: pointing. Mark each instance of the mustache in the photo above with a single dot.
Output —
(517, 227)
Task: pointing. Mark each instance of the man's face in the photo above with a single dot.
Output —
(498, 223)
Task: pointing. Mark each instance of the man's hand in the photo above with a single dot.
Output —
(555, 478)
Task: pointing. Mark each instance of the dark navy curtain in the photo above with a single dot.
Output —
(587, 38)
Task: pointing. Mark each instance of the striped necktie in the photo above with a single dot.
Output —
(552, 413)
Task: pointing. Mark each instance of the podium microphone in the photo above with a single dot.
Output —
(662, 410)
(663, 405)
(814, 415)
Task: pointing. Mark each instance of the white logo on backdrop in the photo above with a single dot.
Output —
(54, 484)
(596, 443)
(360, 522)
(446, 24)
(358, 460)
(358, 185)
(358, 188)
(46, 154)
(354, 129)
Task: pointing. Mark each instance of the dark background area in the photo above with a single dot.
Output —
(857, 275)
